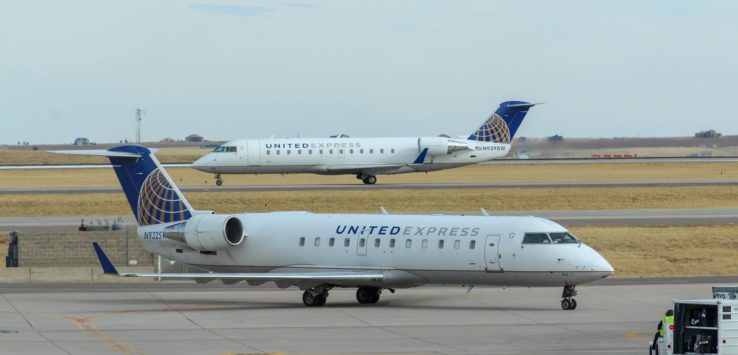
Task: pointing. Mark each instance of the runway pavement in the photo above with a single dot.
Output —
(204, 319)
(566, 218)
(380, 186)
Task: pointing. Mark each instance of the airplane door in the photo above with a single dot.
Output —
(492, 253)
(254, 155)
(361, 245)
(341, 152)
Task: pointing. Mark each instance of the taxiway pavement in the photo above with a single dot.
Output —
(201, 319)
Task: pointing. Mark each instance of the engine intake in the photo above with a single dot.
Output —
(207, 232)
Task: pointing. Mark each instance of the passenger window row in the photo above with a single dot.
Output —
(392, 243)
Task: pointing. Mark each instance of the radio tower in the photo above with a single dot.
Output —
(139, 113)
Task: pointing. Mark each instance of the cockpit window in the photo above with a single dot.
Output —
(536, 238)
(563, 238)
(225, 149)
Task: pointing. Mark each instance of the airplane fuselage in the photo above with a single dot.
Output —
(368, 156)
(409, 250)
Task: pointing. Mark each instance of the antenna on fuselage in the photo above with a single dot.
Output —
(484, 212)
(384, 210)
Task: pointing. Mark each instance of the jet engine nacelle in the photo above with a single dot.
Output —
(207, 232)
(436, 145)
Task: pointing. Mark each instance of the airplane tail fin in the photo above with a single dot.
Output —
(502, 125)
(151, 192)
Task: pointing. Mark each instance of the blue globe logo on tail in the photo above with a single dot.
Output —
(494, 130)
(502, 125)
(150, 191)
(159, 202)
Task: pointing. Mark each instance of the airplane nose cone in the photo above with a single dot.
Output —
(596, 262)
(600, 264)
(202, 164)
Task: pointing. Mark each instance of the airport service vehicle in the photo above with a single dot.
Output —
(367, 157)
(708, 326)
(370, 252)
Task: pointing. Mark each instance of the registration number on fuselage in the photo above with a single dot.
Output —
(153, 235)
(492, 148)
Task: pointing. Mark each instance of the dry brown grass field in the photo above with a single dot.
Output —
(399, 201)
(666, 250)
(474, 173)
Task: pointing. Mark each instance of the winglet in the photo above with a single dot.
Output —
(421, 158)
(107, 266)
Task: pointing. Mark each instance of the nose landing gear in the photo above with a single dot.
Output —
(569, 303)
(218, 180)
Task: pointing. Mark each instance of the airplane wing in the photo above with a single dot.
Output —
(337, 277)
(368, 169)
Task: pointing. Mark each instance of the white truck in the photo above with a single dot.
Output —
(708, 326)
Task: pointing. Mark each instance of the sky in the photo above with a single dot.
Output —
(256, 69)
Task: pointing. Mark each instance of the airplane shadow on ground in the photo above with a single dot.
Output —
(214, 304)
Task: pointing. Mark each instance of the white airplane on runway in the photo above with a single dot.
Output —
(318, 252)
(367, 157)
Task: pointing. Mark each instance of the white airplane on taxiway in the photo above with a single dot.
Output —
(370, 252)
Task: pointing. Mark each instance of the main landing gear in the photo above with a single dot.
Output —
(368, 295)
(367, 179)
(218, 180)
(568, 303)
(316, 296)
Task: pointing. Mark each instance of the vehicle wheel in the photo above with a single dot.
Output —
(370, 180)
(565, 304)
(308, 298)
(219, 182)
(321, 299)
(367, 295)
(573, 304)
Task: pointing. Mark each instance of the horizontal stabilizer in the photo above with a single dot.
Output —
(524, 104)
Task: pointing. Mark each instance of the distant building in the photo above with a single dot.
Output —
(707, 134)
(167, 140)
(194, 138)
(81, 141)
(556, 138)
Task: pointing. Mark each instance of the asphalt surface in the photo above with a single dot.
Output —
(566, 218)
(380, 186)
(204, 319)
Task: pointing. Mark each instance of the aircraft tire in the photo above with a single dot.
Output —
(369, 180)
(566, 304)
(310, 299)
(219, 182)
(322, 299)
(368, 295)
(573, 304)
